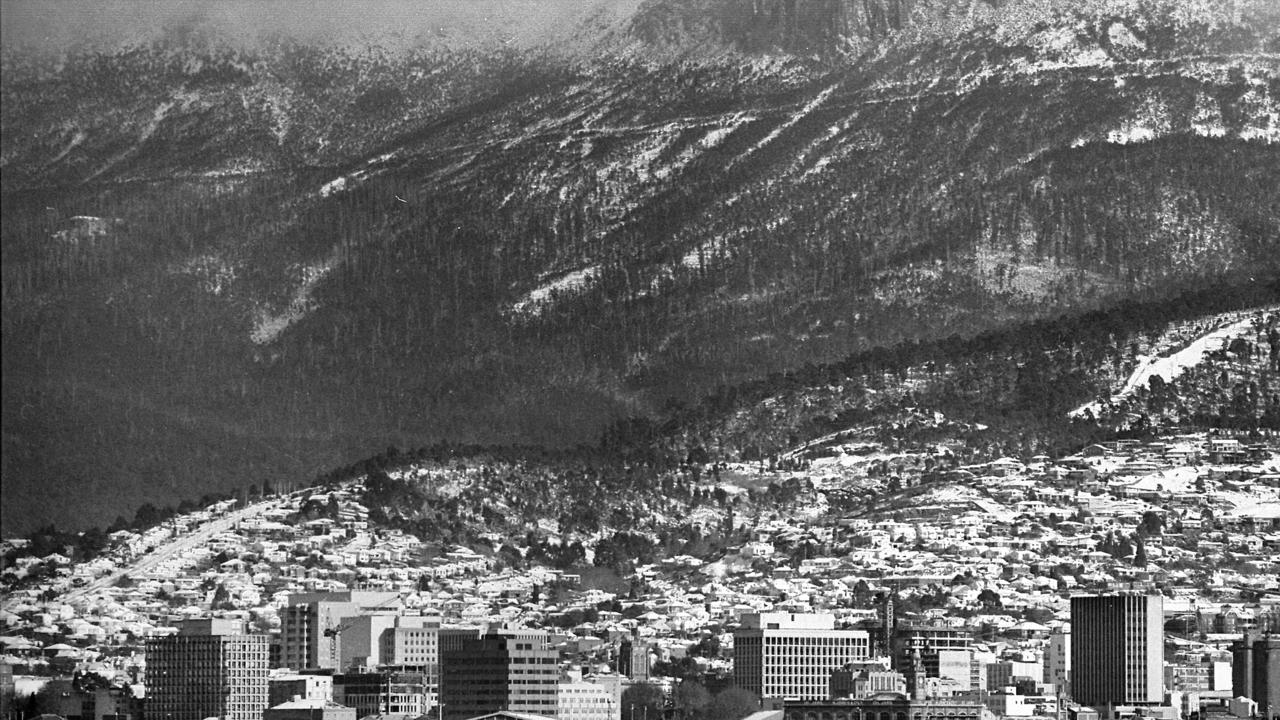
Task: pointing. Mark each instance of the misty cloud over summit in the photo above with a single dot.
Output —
(60, 24)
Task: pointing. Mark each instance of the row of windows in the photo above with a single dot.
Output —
(784, 640)
(882, 715)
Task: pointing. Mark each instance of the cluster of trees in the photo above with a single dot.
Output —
(1236, 387)
(690, 701)
(1021, 383)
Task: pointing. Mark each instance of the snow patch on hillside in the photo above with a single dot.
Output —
(818, 165)
(1172, 366)
(643, 157)
(157, 116)
(268, 326)
(336, 185)
(343, 182)
(1154, 119)
(340, 184)
(718, 135)
(543, 294)
(709, 141)
(701, 256)
(787, 124)
(79, 137)
(1131, 134)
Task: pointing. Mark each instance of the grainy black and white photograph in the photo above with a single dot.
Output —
(640, 359)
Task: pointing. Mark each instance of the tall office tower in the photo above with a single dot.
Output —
(791, 655)
(211, 668)
(1057, 659)
(1255, 672)
(1117, 651)
(313, 625)
(633, 658)
(513, 670)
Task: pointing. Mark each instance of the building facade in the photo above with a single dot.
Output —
(509, 670)
(862, 680)
(932, 644)
(313, 626)
(1057, 659)
(886, 706)
(1117, 650)
(383, 693)
(792, 655)
(211, 668)
(412, 641)
(577, 699)
(309, 710)
(284, 688)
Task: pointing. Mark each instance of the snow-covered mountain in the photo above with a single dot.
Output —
(224, 262)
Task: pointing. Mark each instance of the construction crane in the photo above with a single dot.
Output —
(334, 631)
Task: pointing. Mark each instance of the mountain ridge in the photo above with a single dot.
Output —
(330, 251)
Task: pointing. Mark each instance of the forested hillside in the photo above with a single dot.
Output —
(227, 263)
(1043, 387)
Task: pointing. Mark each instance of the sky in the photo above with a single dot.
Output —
(59, 24)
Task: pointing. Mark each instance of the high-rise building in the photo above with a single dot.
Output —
(211, 668)
(1255, 672)
(1117, 651)
(313, 626)
(633, 658)
(513, 670)
(791, 655)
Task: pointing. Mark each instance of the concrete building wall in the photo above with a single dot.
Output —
(792, 655)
